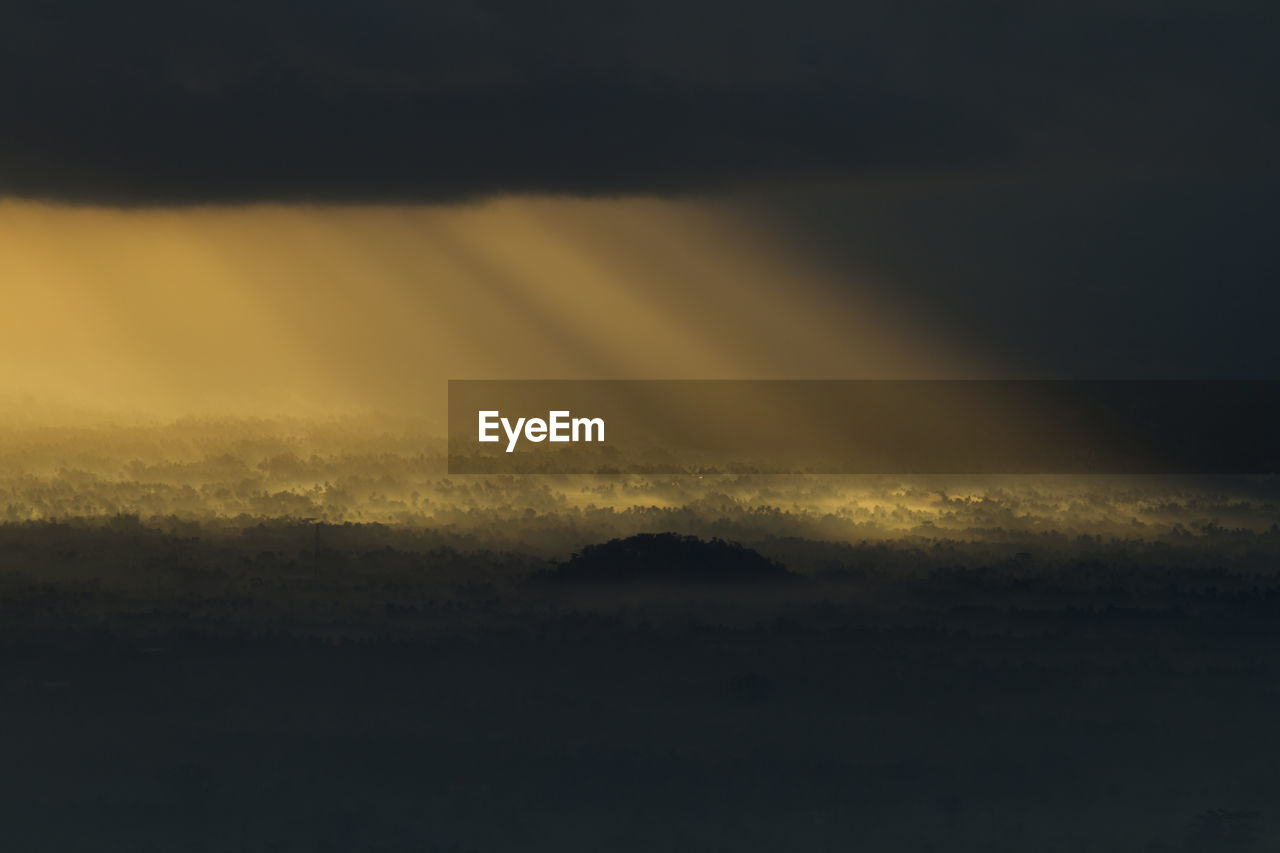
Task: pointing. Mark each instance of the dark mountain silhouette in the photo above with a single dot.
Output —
(670, 557)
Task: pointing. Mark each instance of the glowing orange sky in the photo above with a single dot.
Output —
(266, 310)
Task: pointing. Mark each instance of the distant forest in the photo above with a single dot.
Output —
(270, 636)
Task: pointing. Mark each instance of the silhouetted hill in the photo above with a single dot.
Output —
(670, 557)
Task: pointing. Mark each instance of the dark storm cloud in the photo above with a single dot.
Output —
(1066, 277)
(139, 102)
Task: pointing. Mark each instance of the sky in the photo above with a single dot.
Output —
(259, 207)
(300, 310)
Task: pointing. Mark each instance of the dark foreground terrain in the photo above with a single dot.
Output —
(381, 692)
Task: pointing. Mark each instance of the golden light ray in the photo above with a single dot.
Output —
(316, 310)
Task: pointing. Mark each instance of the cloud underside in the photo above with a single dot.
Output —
(375, 101)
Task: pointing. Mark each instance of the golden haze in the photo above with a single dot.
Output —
(295, 310)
